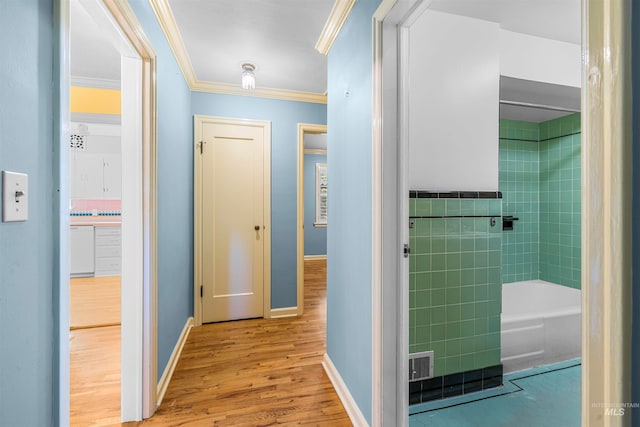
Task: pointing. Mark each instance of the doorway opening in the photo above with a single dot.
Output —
(311, 200)
(128, 248)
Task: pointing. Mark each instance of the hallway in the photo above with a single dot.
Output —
(256, 372)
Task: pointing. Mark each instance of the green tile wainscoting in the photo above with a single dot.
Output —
(455, 282)
(540, 183)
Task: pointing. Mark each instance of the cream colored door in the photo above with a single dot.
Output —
(233, 223)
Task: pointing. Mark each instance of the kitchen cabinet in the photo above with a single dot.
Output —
(108, 241)
(96, 176)
(82, 251)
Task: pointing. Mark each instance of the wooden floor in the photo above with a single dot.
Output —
(95, 301)
(94, 351)
(258, 372)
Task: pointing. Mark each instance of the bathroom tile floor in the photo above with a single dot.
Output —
(538, 397)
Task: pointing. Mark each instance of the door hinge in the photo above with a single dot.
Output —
(407, 250)
(201, 145)
(201, 291)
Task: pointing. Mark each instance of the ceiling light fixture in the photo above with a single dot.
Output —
(248, 77)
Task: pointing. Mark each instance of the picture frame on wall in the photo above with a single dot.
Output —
(321, 195)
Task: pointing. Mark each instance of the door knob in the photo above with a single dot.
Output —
(257, 228)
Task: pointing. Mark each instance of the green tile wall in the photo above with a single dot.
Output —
(540, 184)
(455, 283)
(519, 164)
(560, 218)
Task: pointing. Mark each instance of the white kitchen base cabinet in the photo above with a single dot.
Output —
(108, 253)
(82, 251)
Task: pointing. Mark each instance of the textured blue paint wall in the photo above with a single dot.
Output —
(349, 265)
(315, 238)
(175, 190)
(28, 391)
(284, 117)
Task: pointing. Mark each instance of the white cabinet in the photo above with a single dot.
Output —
(96, 176)
(82, 251)
(108, 251)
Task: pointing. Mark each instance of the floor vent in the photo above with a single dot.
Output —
(421, 366)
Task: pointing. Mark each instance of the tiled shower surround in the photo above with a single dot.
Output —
(540, 183)
(455, 281)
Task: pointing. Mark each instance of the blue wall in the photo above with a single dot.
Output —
(315, 238)
(284, 117)
(175, 190)
(349, 241)
(28, 391)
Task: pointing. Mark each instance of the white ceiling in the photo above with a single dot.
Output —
(93, 52)
(278, 37)
(551, 19)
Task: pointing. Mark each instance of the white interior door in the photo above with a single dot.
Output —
(233, 221)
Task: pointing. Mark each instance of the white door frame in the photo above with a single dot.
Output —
(606, 210)
(139, 318)
(302, 129)
(198, 122)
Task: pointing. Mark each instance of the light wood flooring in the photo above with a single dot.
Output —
(95, 301)
(257, 372)
(94, 351)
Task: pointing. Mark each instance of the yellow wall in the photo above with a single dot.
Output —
(95, 101)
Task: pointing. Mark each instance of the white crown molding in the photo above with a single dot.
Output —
(287, 95)
(315, 151)
(337, 18)
(94, 82)
(167, 21)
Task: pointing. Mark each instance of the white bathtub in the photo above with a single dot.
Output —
(540, 324)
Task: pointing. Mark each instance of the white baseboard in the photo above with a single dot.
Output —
(173, 361)
(314, 257)
(283, 312)
(349, 404)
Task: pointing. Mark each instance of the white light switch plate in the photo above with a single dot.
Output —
(15, 196)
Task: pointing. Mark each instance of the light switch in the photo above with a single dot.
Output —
(15, 196)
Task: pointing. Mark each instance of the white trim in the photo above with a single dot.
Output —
(198, 121)
(95, 82)
(338, 16)
(132, 245)
(315, 151)
(173, 361)
(128, 23)
(350, 405)
(390, 307)
(302, 129)
(315, 257)
(606, 210)
(61, 271)
(259, 92)
(167, 21)
(278, 313)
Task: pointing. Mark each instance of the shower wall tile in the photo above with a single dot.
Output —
(455, 284)
(518, 181)
(540, 184)
(560, 204)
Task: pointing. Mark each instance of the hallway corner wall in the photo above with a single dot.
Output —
(174, 189)
(349, 234)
